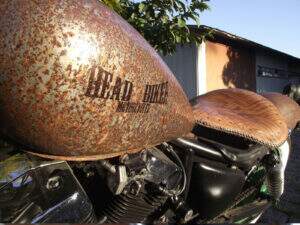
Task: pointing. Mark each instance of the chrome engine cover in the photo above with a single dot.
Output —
(34, 190)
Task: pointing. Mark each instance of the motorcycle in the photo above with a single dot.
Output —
(96, 128)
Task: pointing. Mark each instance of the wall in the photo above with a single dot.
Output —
(183, 64)
(228, 67)
(266, 84)
(271, 60)
(294, 66)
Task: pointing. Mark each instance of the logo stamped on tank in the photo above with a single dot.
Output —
(105, 85)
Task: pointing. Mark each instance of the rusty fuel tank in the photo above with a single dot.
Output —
(79, 83)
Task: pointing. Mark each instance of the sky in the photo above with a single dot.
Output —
(273, 23)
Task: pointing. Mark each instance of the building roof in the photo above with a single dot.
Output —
(225, 37)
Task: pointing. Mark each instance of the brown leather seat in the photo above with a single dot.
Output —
(288, 108)
(242, 113)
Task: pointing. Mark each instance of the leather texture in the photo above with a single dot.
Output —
(242, 113)
(288, 108)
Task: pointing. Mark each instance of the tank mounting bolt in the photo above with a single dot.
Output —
(53, 183)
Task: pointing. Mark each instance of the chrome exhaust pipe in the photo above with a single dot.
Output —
(275, 177)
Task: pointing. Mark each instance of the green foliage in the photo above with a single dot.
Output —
(163, 23)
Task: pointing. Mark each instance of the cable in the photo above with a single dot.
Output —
(170, 149)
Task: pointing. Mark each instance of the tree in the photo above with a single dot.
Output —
(163, 23)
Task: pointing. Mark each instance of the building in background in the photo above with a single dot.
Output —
(227, 60)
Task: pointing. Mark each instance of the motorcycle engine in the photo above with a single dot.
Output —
(141, 183)
(132, 188)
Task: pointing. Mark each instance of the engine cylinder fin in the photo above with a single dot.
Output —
(137, 205)
(127, 208)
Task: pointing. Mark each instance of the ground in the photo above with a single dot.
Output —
(288, 210)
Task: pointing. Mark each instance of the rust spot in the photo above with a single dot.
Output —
(63, 52)
(55, 42)
(18, 45)
(95, 104)
(46, 72)
(71, 34)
